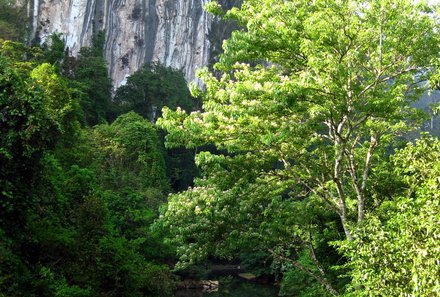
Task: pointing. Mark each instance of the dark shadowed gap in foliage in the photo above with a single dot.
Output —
(233, 287)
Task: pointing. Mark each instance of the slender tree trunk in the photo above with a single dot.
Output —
(361, 197)
(345, 222)
(337, 178)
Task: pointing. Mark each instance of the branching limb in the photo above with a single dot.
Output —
(361, 199)
(321, 279)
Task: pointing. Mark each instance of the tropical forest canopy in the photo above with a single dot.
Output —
(311, 163)
(82, 179)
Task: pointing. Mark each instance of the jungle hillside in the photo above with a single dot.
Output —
(302, 155)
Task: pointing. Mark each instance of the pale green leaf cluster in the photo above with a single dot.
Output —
(397, 251)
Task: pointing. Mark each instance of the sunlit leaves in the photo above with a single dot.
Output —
(36, 106)
(396, 251)
(308, 98)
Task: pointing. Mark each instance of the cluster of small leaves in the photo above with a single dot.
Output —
(396, 251)
(36, 106)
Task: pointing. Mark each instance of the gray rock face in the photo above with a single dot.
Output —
(173, 32)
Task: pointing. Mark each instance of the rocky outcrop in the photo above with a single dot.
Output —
(206, 285)
(173, 32)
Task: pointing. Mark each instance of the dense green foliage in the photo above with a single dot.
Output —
(90, 75)
(76, 203)
(396, 252)
(309, 100)
(129, 155)
(13, 21)
(305, 173)
(151, 88)
(146, 92)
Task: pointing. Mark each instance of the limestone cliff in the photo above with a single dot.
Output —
(174, 32)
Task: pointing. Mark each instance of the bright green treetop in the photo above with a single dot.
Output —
(36, 105)
(129, 155)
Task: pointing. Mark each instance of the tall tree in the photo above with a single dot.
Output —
(151, 88)
(310, 97)
(89, 71)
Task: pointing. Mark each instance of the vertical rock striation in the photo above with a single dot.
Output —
(173, 32)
